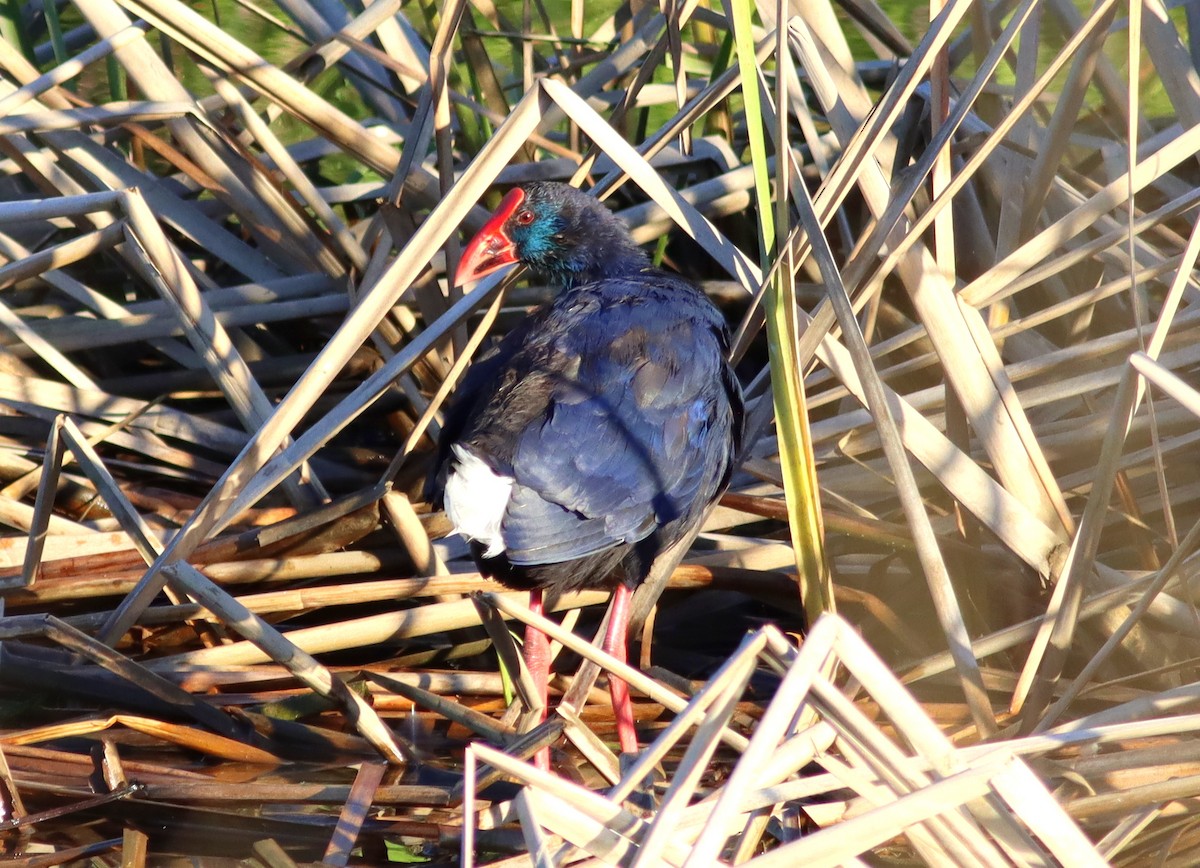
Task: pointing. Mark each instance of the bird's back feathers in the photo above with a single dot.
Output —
(615, 414)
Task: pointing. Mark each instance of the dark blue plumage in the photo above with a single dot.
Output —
(596, 434)
(612, 410)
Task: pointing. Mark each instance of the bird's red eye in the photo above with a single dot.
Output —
(524, 218)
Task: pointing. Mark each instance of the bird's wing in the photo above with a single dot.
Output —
(636, 434)
(480, 383)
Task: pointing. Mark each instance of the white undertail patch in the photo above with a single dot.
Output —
(476, 497)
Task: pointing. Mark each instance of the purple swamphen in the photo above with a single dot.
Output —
(599, 430)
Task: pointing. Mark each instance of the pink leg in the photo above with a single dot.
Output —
(537, 658)
(616, 644)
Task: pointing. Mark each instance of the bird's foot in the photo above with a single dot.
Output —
(646, 795)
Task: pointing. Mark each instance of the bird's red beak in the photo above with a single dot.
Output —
(492, 248)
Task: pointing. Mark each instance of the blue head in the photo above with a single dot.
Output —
(557, 230)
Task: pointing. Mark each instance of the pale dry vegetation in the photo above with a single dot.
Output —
(225, 334)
